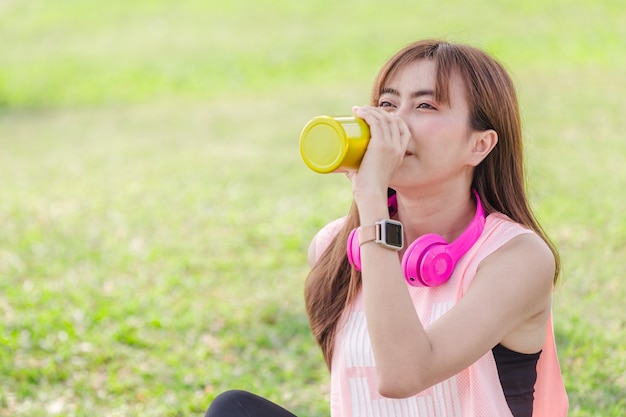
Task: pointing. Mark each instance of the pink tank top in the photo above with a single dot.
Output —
(475, 391)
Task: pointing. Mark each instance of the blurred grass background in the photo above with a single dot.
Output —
(155, 212)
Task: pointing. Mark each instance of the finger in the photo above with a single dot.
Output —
(377, 121)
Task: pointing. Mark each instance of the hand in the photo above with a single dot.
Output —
(385, 152)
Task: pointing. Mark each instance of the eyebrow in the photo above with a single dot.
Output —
(418, 93)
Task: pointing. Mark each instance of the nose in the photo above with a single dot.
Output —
(403, 113)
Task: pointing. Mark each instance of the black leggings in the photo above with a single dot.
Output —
(238, 403)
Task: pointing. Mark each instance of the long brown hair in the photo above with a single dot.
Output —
(499, 179)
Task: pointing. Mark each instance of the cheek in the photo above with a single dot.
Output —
(436, 132)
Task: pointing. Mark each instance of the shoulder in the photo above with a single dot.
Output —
(518, 265)
(322, 239)
(522, 268)
(527, 251)
(518, 249)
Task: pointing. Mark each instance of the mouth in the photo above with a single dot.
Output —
(407, 153)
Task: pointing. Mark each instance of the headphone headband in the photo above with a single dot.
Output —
(469, 236)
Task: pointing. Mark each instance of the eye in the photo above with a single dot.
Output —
(385, 103)
(425, 106)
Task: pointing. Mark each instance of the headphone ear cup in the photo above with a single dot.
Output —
(426, 263)
(354, 250)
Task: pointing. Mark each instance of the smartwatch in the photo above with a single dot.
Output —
(387, 233)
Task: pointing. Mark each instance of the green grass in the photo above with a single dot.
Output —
(155, 211)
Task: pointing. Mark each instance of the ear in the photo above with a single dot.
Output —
(482, 143)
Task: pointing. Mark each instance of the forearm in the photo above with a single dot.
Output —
(401, 347)
(400, 344)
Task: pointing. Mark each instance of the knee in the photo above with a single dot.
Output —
(228, 404)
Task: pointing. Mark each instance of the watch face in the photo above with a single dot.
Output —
(393, 234)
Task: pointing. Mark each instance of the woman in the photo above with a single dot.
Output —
(446, 138)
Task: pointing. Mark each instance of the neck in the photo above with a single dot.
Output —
(445, 213)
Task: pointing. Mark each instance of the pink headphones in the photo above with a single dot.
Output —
(430, 260)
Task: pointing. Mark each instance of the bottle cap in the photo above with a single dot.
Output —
(323, 144)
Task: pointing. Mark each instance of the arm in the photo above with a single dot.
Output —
(508, 301)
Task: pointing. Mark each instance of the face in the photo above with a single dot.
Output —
(441, 144)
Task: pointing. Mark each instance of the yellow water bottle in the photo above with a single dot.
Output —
(334, 144)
